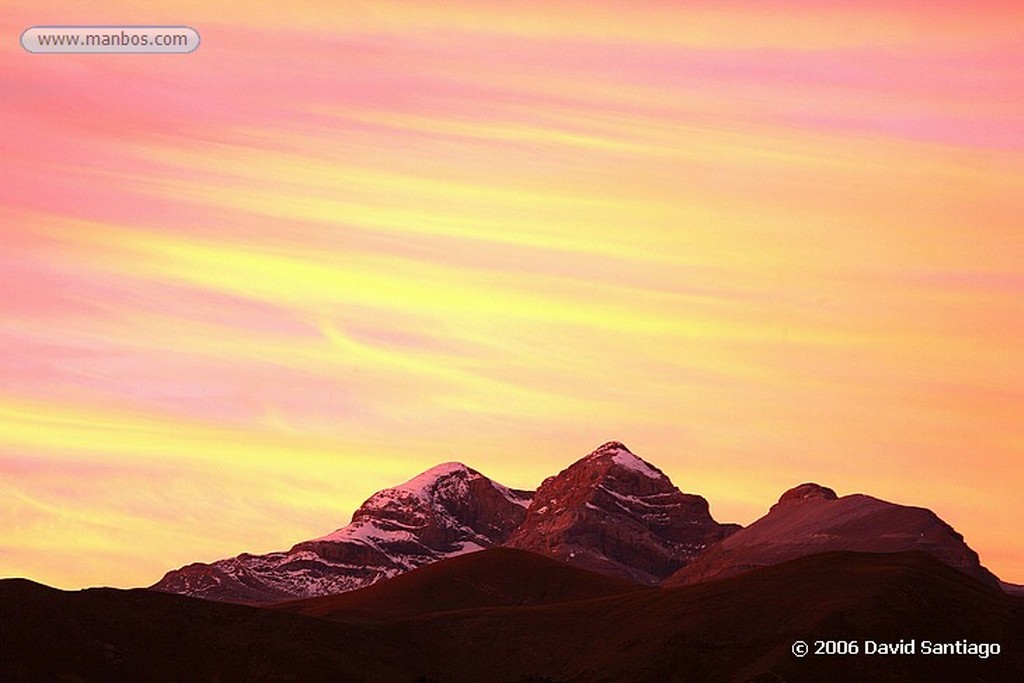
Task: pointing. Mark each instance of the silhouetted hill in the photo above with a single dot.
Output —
(739, 629)
(105, 634)
(499, 577)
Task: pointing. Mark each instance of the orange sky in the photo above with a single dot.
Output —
(760, 243)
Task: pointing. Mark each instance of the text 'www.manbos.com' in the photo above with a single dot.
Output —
(110, 39)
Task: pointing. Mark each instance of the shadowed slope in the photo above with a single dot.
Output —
(105, 634)
(499, 577)
(741, 629)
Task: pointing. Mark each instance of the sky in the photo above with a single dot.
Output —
(761, 243)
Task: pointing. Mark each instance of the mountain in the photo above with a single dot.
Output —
(448, 510)
(735, 630)
(610, 512)
(811, 519)
(616, 514)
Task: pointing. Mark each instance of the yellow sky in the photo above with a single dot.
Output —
(243, 289)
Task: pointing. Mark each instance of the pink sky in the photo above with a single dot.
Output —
(760, 243)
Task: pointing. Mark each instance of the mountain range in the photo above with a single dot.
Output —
(607, 572)
(610, 512)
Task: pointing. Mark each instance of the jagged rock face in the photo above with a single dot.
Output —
(446, 511)
(614, 513)
(810, 519)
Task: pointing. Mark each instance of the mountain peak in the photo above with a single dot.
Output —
(807, 491)
(613, 512)
(448, 495)
(427, 480)
(617, 453)
(610, 446)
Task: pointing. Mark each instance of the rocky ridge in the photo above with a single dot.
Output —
(448, 510)
(610, 512)
(811, 519)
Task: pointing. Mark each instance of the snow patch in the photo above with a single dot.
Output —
(627, 460)
(423, 484)
(368, 534)
(629, 498)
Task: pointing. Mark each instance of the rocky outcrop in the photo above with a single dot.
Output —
(614, 513)
(811, 519)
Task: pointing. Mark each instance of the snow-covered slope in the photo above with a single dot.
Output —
(448, 510)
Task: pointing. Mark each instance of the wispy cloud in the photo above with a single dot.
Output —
(337, 245)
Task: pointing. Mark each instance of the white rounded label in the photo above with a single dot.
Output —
(110, 39)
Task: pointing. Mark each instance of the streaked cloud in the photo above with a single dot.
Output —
(337, 245)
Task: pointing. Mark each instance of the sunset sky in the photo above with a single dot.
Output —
(761, 243)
